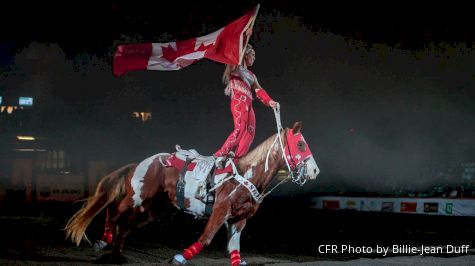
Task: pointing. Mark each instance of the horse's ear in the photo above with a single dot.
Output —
(297, 127)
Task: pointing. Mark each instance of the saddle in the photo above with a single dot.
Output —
(198, 175)
(191, 154)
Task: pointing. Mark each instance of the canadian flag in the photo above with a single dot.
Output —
(225, 45)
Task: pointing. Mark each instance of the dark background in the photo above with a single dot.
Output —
(385, 92)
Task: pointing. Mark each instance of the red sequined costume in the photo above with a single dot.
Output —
(240, 89)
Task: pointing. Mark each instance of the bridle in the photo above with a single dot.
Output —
(297, 170)
(299, 173)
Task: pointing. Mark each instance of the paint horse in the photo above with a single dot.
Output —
(129, 191)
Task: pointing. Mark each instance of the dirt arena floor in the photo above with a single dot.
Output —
(281, 233)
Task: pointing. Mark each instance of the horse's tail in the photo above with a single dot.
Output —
(109, 189)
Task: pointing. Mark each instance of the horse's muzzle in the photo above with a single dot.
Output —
(311, 168)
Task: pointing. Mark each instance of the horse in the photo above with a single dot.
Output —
(130, 190)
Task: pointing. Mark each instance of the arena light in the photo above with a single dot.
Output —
(29, 150)
(8, 109)
(144, 116)
(25, 138)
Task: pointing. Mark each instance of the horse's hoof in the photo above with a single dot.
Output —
(178, 260)
(110, 258)
(243, 262)
(100, 245)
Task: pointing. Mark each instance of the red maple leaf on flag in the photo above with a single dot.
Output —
(182, 48)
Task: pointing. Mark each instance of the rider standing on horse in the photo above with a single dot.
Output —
(240, 81)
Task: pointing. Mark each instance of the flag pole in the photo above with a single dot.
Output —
(248, 37)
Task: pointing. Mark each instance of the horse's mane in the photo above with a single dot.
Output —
(259, 153)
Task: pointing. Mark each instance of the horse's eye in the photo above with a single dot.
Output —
(301, 145)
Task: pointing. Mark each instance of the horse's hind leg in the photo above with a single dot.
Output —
(120, 222)
(215, 222)
(127, 220)
(122, 227)
(108, 235)
(234, 239)
(110, 225)
(143, 221)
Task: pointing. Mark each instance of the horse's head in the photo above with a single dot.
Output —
(299, 156)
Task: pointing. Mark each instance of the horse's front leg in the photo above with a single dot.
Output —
(215, 222)
(234, 239)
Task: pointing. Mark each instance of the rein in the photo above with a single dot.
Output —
(277, 137)
(259, 197)
(266, 168)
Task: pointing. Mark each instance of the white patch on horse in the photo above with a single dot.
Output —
(138, 178)
(312, 168)
(249, 172)
(234, 238)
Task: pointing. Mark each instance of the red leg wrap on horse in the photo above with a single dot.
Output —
(108, 236)
(192, 251)
(235, 257)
